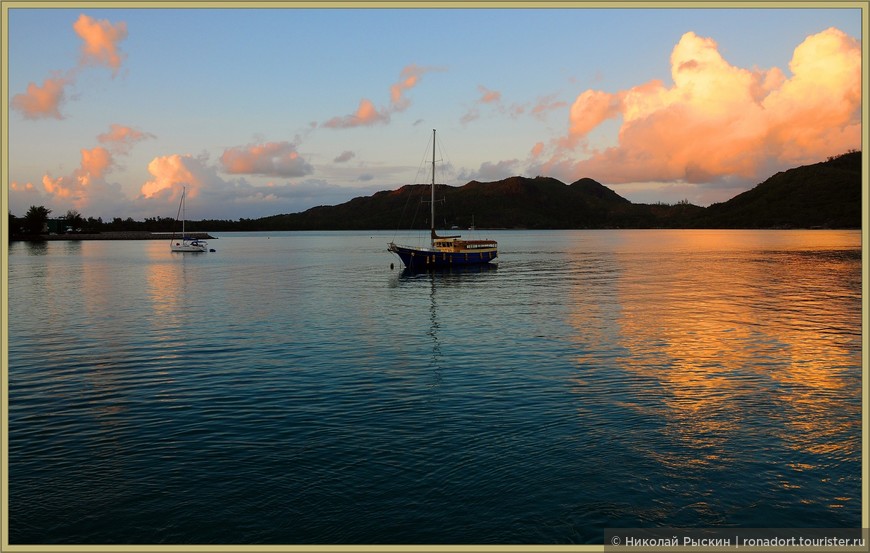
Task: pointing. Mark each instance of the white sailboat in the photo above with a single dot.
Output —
(186, 244)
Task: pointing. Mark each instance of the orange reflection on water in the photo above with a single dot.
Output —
(165, 282)
(720, 335)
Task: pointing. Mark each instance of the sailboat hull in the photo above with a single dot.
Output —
(189, 246)
(423, 259)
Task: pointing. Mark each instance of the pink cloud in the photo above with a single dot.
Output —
(590, 109)
(493, 98)
(546, 105)
(276, 159)
(171, 174)
(58, 187)
(488, 96)
(86, 183)
(367, 114)
(409, 78)
(121, 139)
(100, 47)
(718, 120)
(101, 40)
(95, 163)
(20, 187)
(42, 101)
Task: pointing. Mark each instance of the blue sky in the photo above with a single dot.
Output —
(256, 110)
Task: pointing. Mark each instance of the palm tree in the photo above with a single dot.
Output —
(36, 219)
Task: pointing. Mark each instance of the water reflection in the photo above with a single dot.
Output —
(73, 247)
(745, 348)
(165, 284)
(443, 288)
(434, 327)
(36, 247)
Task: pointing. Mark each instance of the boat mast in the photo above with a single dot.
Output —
(183, 214)
(432, 218)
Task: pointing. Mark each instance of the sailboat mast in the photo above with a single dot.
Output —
(183, 214)
(432, 218)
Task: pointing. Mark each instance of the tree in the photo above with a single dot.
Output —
(94, 225)
(14, 223)
(36, 219)
(74, 219)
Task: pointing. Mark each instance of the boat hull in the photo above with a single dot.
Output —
(188, 247)
(420, 259)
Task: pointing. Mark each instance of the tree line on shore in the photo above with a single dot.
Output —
(822, 195)
(38, 221)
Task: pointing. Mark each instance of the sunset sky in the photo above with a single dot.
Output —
(267, 111)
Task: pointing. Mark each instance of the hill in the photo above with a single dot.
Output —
(826, 195)
(516, 202)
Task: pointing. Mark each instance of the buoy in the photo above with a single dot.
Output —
(211, 250)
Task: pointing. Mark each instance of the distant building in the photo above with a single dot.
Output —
(57, 226)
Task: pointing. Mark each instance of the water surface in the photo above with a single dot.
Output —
(291, 388)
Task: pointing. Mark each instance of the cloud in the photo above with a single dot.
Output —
(347, 155)
(488, 96)
(121, 139)
(547, 104)
(100, 47)
(493, 99)
(720, 121)
(86, 188)
(213, 196)
(408, 79)
(276, 159)
(367, 114)
(95, 163)
(472, 114)
(42, 101)
(592, 108)
(172, 173)
(101, 40)
(489, 171)
(22, 196)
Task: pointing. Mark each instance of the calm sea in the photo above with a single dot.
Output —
(292, 388)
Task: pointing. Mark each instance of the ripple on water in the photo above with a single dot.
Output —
(297, 391)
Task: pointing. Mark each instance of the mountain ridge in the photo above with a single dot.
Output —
(825, 195)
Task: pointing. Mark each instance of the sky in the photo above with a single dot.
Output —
(259, 112)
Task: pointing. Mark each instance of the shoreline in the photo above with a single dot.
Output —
(148, 235)
(111, 235)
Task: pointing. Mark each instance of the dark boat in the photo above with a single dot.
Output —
(444, 251)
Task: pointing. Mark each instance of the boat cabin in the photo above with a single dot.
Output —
(452, 244)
